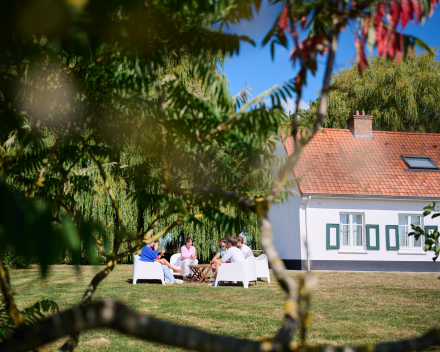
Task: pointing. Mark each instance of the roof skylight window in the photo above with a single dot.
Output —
(419, 162)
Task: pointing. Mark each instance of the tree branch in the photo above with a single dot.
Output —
(292, 312)
(288, 284)
(73, 340)
(323, 105)
(281, 179)
(11, 307)
(114, 315)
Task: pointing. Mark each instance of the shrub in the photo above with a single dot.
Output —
(14, 261)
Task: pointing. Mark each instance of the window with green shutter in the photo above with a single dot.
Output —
(332, 236)
(392, 235)
(372, 237)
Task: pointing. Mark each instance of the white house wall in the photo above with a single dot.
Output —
(285, 220)
(286, 224)
(382, 212)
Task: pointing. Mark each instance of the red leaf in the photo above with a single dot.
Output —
(306, 46)
(405, 12)
(379, 36)
(394, 12)
(378, 15)
(361, 59)
(391, 42)
(283, 21)
(417, 9)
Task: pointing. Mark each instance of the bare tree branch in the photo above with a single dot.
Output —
(323, 105)
(11, 307)
(73, 340)
(114, 315)
(288, 284)
(292, 318)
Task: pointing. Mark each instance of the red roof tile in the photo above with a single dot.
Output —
(335, 162)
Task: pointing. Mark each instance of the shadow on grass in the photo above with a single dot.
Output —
(143, 281)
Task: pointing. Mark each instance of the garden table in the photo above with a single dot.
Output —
(199, 273)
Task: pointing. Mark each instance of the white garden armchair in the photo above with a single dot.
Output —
(252, 269)
(175, 261)
(234, 272)
(262, 266)
(147, 271)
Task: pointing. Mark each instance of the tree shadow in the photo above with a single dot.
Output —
(143, 281)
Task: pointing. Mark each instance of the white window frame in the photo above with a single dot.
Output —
(350, 226)
(411, 238)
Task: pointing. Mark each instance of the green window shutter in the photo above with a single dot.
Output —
(390, 233)
(431, 227)
(336, 233)
(375, 227)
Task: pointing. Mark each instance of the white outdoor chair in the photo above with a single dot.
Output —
(175, 261)
(252, 269)
(234, 272)
(262, 266)
(147, 271)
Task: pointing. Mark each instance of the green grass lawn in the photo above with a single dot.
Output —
(347, 308)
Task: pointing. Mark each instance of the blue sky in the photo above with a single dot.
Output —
(254, 66)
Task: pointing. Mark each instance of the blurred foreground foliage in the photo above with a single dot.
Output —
(125, 96)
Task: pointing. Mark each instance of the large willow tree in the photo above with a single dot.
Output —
(401, 96)
(91, 104)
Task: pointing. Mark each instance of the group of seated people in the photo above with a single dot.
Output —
(232, 250)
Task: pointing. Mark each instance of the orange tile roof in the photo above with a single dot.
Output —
(334, 162)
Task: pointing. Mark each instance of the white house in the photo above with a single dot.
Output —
(359, 192)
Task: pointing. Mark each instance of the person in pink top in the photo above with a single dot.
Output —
(187, 256)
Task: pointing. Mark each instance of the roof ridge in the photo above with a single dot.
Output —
(385, 132)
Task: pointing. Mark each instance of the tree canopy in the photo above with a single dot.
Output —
(400, 96)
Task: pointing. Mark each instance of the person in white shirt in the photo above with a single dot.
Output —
(247, 252)
(233, 255)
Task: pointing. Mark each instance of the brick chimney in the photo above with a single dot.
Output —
(361, 126)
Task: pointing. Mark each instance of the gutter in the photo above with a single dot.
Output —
(370, 196)
(306, 200)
